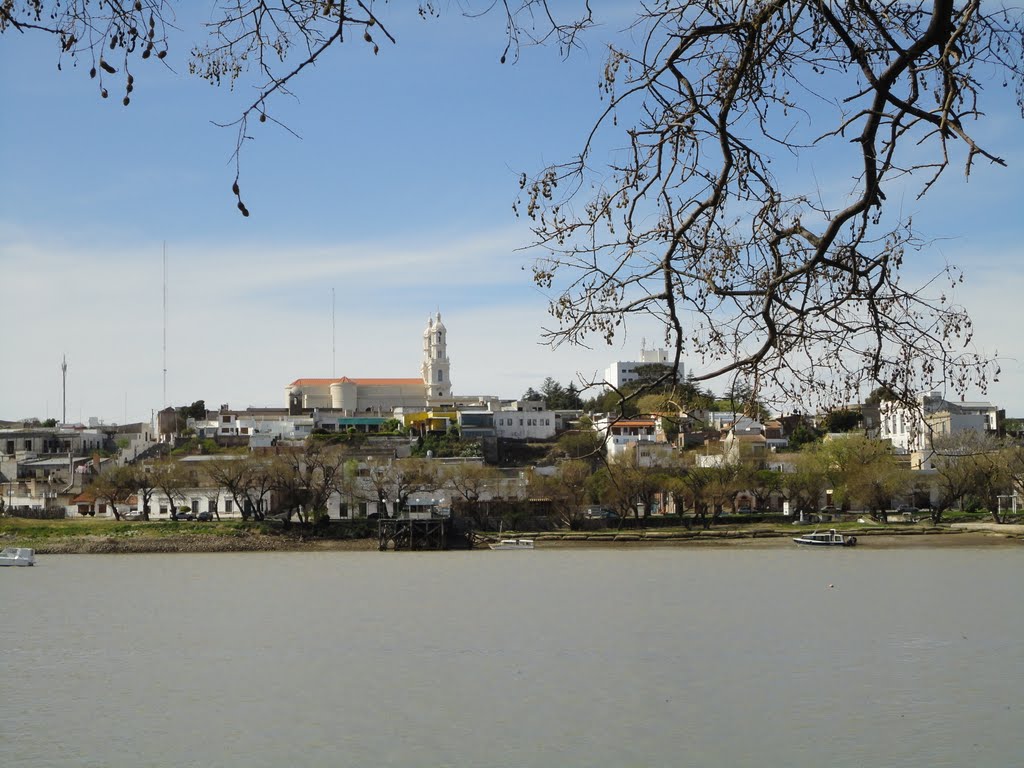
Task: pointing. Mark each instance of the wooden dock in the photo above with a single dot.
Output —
(402, 533)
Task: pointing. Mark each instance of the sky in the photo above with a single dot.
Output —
(393, 203)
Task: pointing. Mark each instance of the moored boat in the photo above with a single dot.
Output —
(829, 538)
(512, 544)
(17, 556)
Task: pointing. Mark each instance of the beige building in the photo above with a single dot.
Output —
(355, 396)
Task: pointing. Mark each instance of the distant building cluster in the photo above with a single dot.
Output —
(51, 467)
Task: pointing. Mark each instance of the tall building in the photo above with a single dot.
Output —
(624, 371)
(436, 368)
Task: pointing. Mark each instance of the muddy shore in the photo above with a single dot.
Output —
(957, 536)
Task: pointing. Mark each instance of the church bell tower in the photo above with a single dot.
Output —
(436, 368)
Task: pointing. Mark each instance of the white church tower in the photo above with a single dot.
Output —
(436, 367)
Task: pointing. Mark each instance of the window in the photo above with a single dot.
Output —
(227, 505)
(440, 375)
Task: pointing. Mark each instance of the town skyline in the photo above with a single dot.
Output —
(397, 200)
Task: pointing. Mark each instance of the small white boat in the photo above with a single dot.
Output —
(512, 544)
(18, 556)
(830, 538)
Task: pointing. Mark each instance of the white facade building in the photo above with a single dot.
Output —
(525, 425)
(911, 431)
(624, 371)
(637, 436)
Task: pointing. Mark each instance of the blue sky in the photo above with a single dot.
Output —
(397, 196)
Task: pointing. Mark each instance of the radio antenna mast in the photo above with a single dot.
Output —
(165, 323)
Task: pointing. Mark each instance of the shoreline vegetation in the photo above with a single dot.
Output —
(116, 537)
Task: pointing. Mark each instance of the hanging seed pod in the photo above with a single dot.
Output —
(242, 208)
(146, 52)
(234, 188)
(138, 5)
(106, 67)
(263, 117)
(103, 93)
(126, 101)
(161, 54)
(92, 72)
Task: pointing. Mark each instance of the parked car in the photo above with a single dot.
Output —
(181, 516)
(204, 517)
(133, 516)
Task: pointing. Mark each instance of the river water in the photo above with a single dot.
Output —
(664, 657)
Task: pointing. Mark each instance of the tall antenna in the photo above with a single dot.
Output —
(332, 334)
(165, 323)
(64, 377)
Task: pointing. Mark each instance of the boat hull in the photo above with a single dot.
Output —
(17, 556)
(830, 539)
(511, 544)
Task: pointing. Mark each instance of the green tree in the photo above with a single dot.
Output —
(841, 420)
(473, 485)
(567, 491)
(865, 473)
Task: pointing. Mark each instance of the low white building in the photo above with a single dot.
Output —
(525, 425)
(639, 436)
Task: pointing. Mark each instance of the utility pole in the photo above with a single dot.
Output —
(64, 377)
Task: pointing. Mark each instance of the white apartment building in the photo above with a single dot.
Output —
(624, 371)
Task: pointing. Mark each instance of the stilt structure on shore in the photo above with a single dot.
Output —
(403, 533)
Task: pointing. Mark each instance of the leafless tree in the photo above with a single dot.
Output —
(711, 221)
(695, 198)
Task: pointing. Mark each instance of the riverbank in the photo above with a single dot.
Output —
(110, 537)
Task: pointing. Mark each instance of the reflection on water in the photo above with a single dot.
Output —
(544, 658)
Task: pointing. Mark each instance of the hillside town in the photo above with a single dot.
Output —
(650, 444)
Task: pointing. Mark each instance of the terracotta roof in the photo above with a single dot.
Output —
(404, 382)
(634, 423)
(361, 382)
